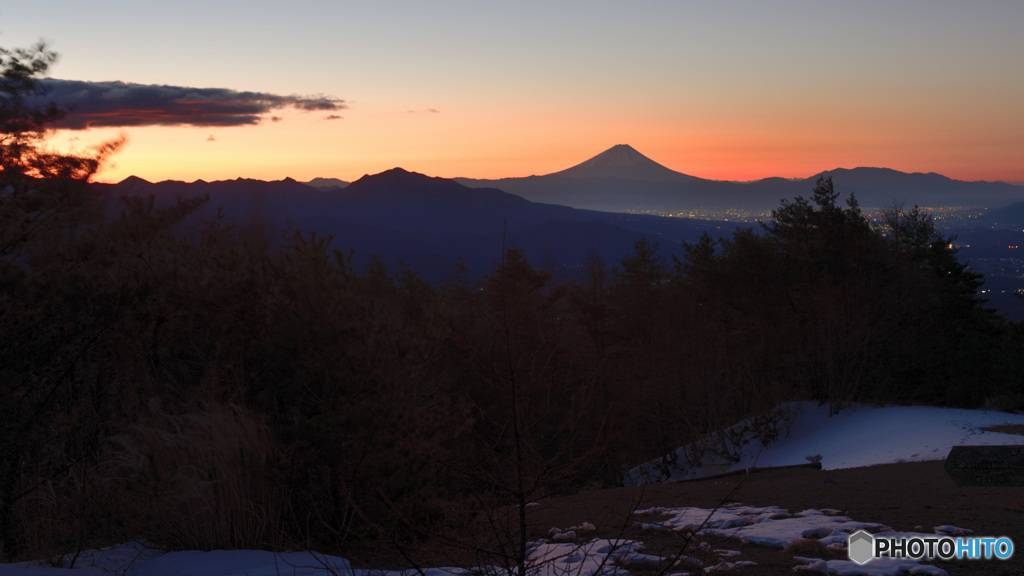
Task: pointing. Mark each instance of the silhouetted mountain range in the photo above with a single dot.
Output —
(621, 179)
(327, 183)
(427, 223)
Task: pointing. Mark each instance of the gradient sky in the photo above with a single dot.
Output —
(488, 89)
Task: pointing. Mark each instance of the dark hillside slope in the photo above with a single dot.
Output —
(427, 223)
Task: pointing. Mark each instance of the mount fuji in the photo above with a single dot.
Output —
(621, 179)
(624, 162)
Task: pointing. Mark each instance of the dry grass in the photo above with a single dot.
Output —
(196, 479)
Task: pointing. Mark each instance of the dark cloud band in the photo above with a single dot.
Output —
(119, 104)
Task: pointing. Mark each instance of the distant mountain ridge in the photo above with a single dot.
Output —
(422, 222)
(326, 183)
(622, 179)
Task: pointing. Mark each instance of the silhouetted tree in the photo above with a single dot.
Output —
(526, 428)
(637, 294)
(50, 398)
(840, 311)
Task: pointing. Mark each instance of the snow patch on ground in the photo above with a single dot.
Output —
(857, 436)
(774, 527)
(771, 526)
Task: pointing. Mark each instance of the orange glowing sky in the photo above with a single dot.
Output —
(721, 90)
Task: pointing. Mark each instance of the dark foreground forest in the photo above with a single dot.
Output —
(236, 386)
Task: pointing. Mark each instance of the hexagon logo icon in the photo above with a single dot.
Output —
(861, 547)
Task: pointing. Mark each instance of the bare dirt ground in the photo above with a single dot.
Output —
(908, 497)
(912, 496)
